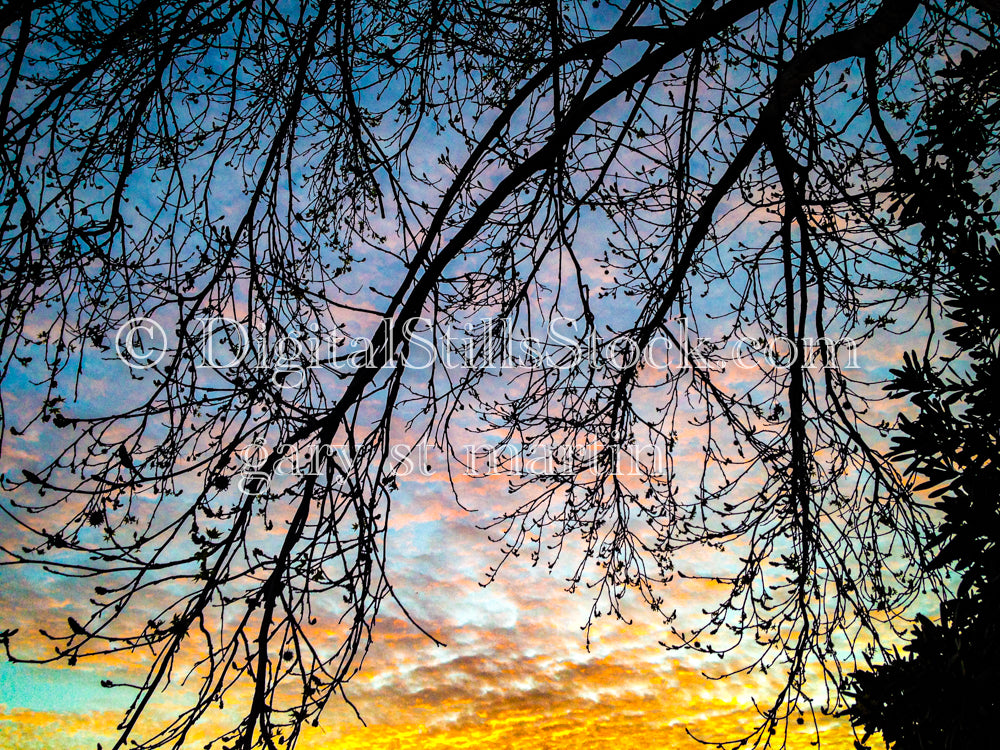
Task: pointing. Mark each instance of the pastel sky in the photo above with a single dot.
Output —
(515, 673)
(516, 670)
(519, 668)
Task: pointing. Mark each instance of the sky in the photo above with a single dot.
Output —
(515, 673)
(519, 667)
(516, 670)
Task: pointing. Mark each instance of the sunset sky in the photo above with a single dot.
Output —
(515, 672)
(320, 243)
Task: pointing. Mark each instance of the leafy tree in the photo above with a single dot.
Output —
(943, 693)
(398, 172)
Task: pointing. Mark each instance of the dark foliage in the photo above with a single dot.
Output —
(944, 693)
